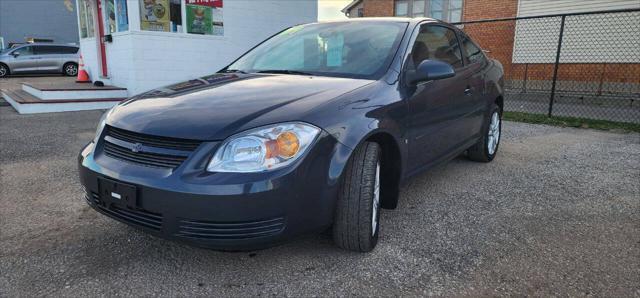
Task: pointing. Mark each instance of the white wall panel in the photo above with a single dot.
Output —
(606, 38)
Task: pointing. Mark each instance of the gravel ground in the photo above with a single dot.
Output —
(557, 213)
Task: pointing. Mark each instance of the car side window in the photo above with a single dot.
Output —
(436, 43)
(471, 52)
(68, 50)
(24, 51)
(45, 50)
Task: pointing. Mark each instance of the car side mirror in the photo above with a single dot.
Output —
(432, 70)
(15, 54)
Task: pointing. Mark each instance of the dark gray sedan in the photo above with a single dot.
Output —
(40, 58)
(316, 127)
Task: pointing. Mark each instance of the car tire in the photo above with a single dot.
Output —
(4, 70)
(357, 218)
(486, 148)
(70, 69)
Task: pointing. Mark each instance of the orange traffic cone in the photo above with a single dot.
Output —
(83, 75)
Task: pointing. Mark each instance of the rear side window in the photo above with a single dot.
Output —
(437, 43)
(45, 50)
(68, 50)
(471, 52)
(51, 50)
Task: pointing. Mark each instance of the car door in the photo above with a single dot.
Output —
(475, 104)
(23, 60)
(49, 58)
(435, 126)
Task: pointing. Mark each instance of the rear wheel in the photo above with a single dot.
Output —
(357, 218)
(70, 69)
(487, 147)
(4, 70)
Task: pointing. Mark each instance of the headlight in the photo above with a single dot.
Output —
(265, 148)
(101, 124)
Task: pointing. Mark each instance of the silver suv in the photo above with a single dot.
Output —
(40, 58)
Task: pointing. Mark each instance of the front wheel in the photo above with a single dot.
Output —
(357, 217)
(4, 70)
(70, 69)
(487, 147)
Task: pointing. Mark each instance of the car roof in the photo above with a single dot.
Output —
(382, 19)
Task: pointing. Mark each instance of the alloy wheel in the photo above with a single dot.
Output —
(494, 133)
(3, 71)
(71, 70)
(376, 201)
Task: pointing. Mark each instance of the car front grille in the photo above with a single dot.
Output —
(136, 217)
(147, 150)
(237, 230)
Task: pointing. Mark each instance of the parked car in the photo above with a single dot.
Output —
(40, 58)
(316, 127)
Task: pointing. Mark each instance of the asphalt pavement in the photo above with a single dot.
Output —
(557, 213)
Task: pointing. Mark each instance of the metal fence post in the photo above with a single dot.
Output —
(555, 68)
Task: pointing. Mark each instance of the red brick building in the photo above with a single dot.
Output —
(601, 48)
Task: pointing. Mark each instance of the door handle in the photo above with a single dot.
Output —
(468, 91)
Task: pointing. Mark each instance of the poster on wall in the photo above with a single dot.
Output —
(154, 15)
(123, 20)
(199, 19)
(205, 17)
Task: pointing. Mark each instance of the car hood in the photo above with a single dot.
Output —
(217, 106)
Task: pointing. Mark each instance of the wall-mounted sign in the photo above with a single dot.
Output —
(154, 15)
(199, 19)
(205, 17)
(210, 3)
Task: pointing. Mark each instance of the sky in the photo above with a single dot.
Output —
(330, 9)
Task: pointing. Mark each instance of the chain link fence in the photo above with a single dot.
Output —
(584, 65)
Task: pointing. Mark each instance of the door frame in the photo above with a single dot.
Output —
(102, 52)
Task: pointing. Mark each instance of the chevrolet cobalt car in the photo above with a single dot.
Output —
(314, 128)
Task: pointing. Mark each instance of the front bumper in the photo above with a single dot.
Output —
(227, 211)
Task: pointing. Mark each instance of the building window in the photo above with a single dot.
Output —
(122, 16)
(85, 13)
(446, 10)
(115, 15)
(402, 8)
(109, 16)
(201, 16)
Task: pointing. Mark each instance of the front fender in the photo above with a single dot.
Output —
(359, 115)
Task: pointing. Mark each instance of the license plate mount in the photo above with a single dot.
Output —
(117, 193)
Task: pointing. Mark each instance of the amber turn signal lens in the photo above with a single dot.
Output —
(287, 144)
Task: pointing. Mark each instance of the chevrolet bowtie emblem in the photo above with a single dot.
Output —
(137, 147)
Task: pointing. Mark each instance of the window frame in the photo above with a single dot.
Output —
(461, 37)
(89, 18)
(414, 36)
(427, 9)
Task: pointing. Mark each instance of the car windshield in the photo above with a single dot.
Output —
(342, 49)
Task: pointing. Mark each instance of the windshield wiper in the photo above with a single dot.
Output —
(234, 70)
(285, 71)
